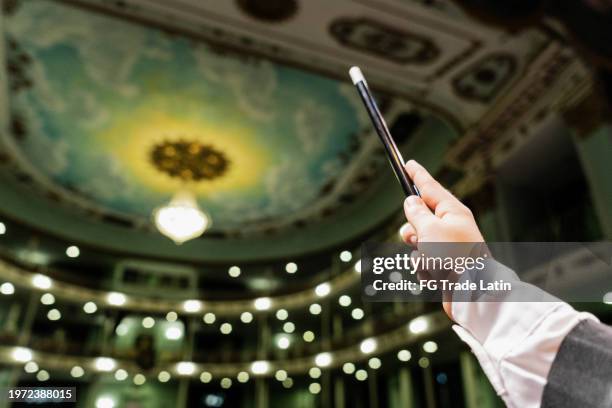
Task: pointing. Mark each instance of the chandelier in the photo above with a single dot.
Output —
(181, 219)
(188, 161)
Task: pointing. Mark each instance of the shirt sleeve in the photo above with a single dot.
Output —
(516, 342)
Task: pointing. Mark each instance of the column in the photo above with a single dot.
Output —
(406, 392)
(430, 397)
(339, 401)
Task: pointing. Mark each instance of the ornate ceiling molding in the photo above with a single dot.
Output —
(555, 81)
(308, 40)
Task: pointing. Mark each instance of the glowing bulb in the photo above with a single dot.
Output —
(73, 251)
(289, 327)
(263, 303)
(357, 313)
(21, 354)
(404, 355)
(323, 359)
(246, 317)
(314, 372)
(418, 325)
(430, 346)
(234, 271)
(423, 362)
(173, 333)
(171, 316)
(30, 367)
(314, 388)
(185, 368)
(357, 266)
(260, 367)
(282, 314)
(41, 281)
(42, 375)
(105, 402)
(374, 363)
(148, 322)
(348, 368)
(346, 256)
(283, 342)
(139, 379)
(7, 288)
(242, 377)
(105, 364)
(308, 336)
(291, 267)
(368, 346)
(77, 371)
(209, 318)
(206, 377)
(345, 300)
(181, 219)
(2, 228)
(54, 315)
(122, 329)
(361, 375)
(226, 383)
(192, 306)
(281, 375)
(47, 299)
(116, 299)
(323, 289)
(121, 374)
(163, 376)
(226, 328)
(90, 307)
(315, 309)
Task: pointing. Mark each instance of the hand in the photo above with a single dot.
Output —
(436, 216)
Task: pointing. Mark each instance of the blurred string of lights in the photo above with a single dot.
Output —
(93, 300)
(366, 353)
(174, 330)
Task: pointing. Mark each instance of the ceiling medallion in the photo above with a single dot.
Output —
(189, 161)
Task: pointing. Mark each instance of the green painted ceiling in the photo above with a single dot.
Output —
(97, 104)
(90, 96)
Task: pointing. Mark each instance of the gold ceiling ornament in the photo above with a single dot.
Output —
(189, 160)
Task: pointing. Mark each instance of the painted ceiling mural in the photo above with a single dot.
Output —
(101, 107)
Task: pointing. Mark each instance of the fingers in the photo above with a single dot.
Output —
(431, 191)
(408, 234)
(418, 214)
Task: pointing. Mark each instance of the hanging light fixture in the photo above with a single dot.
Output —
(181, 219)
(189, 162)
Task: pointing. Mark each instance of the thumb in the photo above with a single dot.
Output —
(418, 214)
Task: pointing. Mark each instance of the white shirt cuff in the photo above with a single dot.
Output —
(516, 342)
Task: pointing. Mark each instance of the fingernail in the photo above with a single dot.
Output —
(403, 229)
(412, 200)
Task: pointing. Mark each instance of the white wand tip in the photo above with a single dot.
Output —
(356, 75)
